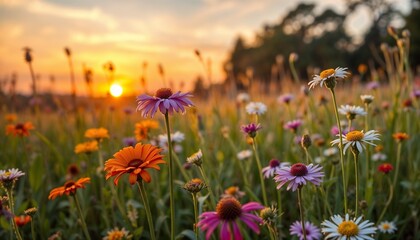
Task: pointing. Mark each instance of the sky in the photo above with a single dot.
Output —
(131, 32)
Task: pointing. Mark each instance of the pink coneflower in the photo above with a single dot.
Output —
(273, 167)
(293, 125)
(312, 231)
(228, 212)
(165, 101)
(285, 98)
(251, 129)
(298, 174)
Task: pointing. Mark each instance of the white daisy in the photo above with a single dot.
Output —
(196, 158)
(244, 154)
(387, 227)
(326, 74)
(329, 152)
(357, 138)
(367, 98)
(379, 156)
(257, 108)
(351, 111)
(242, 98)
(349, 229)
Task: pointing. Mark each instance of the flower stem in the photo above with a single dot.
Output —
(391, 195)
(356, 172)
(302, 219)
(397, 167)
(82, 219)
(143, 195)
(171, 180)
(33, 229)
(212, 197)
(11, 206)
(257, 158)
(194, 197)
(341, 149)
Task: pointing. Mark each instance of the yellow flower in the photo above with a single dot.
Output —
(97, 133)
(117, 234)
(86, 147)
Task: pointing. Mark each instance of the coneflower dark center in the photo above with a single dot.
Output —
(163, 93)
(274, 163)
(68, 184)
(19, 126)
(298, 169)
(135, 163)
(229, 209)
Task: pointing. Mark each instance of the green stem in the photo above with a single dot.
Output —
(82, 219)
(12, 211)
(143, 195)
(302, 219)
(171, 180)
(241, 168)
(257, 158)
(33, 229)
(356, 172)
(194, 197)
(212, 197)
(391, 195)
(341, 149)
(397, 167)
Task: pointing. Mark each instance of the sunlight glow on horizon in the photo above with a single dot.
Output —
(99, 31)
(116, 90)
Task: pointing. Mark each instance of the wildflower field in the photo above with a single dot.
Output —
(334, 155)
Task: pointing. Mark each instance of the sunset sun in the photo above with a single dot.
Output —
(116, 90)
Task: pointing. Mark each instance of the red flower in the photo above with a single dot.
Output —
(385, 168)
(22, 220)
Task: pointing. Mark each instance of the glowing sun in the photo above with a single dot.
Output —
(116, 90)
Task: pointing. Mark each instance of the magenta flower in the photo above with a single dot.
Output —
(251, 129)
(285, 98)
(312, 231)
(293, 125)
(228, 212)
(164, 101)
(298, 174)
(272, 167)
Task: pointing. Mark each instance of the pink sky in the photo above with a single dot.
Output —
(131, 32)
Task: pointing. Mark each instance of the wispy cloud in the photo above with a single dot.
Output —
(94, 14)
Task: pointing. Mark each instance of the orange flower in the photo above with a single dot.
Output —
(400, 137)
(10, 118)
(143, 127)
(20, 129)
(86, 147)
(134, 161)
(97, 133)
(22, 220)
(69, 188)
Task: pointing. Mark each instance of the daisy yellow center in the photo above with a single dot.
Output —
(229, 209)
(135, 163)
(8, 174)
(163, 93)
(115, 235)
(354, 136)
(298, 169)
(327, 73)
(196, 181)
(348, 228)
(231, 190)
(386, 226)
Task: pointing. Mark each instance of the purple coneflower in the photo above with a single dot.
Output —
(251, 129)
(293, 125)
(228, 211)
(272, 167)
(312, 231)
(285, 98)
(165, 101)
(298, 174)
